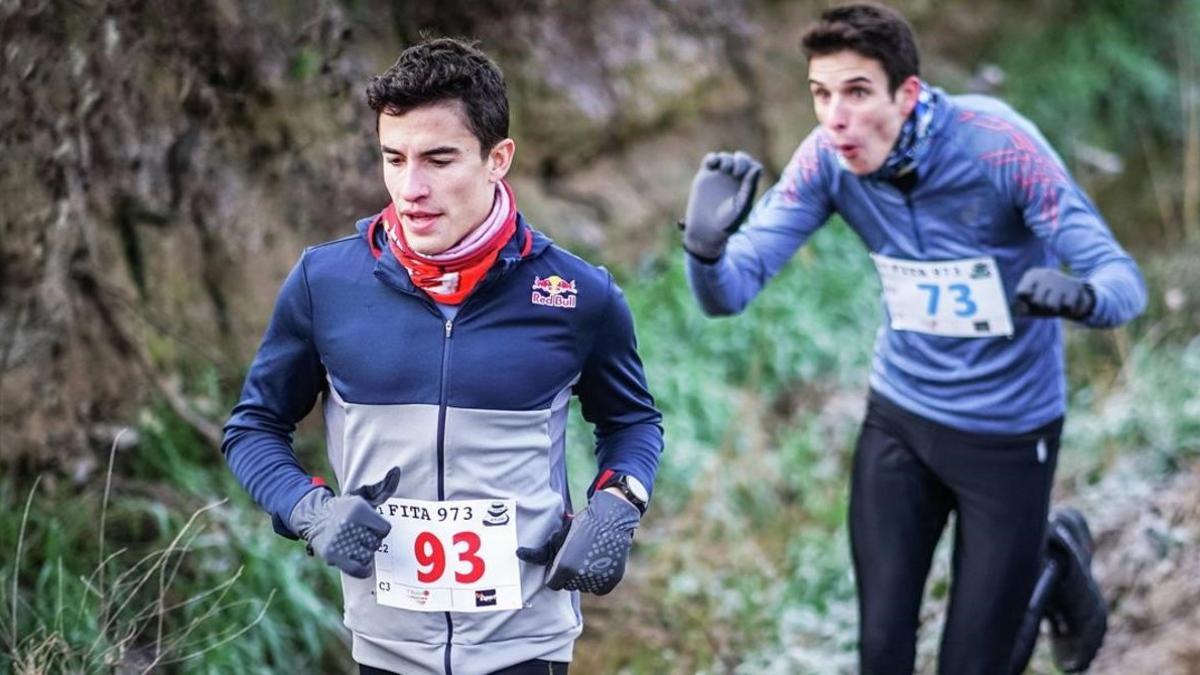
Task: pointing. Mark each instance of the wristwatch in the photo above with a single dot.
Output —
(631, 487)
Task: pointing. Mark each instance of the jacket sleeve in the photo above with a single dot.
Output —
(615, 399)
(1030, 174)
(781, 222)
(280, 389)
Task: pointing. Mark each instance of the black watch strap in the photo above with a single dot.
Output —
(629, 486)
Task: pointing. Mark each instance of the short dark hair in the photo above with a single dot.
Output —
(443, 70)
(871, 30)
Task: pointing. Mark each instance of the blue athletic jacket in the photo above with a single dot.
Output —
(473, 408)
(989, 186)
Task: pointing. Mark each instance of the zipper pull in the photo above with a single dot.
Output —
(449, 328)
(1041, 451)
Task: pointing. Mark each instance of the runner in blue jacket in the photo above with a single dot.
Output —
(445, 340)
(967, 213)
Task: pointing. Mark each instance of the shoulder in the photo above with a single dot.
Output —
(338, 252)
(557, 258)
(806, 162)
(558, 273)
(1009, 149)
(984, 124)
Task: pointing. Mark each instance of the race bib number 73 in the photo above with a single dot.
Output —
(449, 556)
(954, 298)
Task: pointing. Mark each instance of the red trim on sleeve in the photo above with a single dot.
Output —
(318, 481)
(603, 480)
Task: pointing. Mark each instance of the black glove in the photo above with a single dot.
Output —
(588, 553)
(345, 531)
(721, 197)
(1048, 292)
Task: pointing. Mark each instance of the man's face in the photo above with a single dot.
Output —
(434, 173)
(853, 104)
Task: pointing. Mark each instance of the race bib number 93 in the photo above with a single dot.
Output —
(450, 556)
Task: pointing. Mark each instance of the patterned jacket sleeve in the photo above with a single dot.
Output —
(1027, 172)
(781, 222)
(281, 388)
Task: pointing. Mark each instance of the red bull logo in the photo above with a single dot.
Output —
(554, 291)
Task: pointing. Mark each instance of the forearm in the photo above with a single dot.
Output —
(726, 286)
(632, 450)
(266, 467)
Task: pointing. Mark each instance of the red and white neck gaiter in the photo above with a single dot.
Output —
(450, 276)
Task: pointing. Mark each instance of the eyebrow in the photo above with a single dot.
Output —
(432, 152)
(853, 80)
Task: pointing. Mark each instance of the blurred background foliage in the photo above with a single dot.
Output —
(165, 164)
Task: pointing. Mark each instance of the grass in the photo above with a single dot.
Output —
(159, 569)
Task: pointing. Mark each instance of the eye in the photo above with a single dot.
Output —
(820, 94)
(394, 160)
(440, 162)
(860, 92)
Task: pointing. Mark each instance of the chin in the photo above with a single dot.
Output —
(865, 170)
(426, 246)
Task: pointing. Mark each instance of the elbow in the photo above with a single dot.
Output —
(714, 308)
(717, 311)
(1118, 309)
(1137, 300)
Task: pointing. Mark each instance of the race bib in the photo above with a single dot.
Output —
(954, 298)
(450, 556)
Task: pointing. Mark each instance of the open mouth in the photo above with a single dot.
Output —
(420, 221)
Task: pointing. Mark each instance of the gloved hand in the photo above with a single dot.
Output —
(588, 553)
(1047, 292)
(345, 531)
(721, 197)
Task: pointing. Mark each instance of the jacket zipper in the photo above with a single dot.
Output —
(441, 425)
(912, 214)
(441, 461)
(448, 325)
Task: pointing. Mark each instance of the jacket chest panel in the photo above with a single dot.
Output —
(397, 351)
(509, 363)
(948, 217)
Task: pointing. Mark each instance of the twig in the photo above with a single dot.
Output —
(165, 582)
(224, 588)
(160, 558)
(17, 559)
(112, 454)
(230, 638)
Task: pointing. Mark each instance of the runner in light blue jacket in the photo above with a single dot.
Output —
(967, 213)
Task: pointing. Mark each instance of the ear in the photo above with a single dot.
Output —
(909, 90)
(500, 159)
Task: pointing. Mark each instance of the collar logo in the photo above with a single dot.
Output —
(554, 291)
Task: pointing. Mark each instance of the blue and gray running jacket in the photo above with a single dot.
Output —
(469, 408)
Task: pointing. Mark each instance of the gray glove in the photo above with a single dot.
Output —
(345, 531)
(721, 198)
(1047, 292)
(588, 553)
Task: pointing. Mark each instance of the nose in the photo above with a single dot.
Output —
(838, 114)
(413, 185)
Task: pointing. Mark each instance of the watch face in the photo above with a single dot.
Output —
(637, 489)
